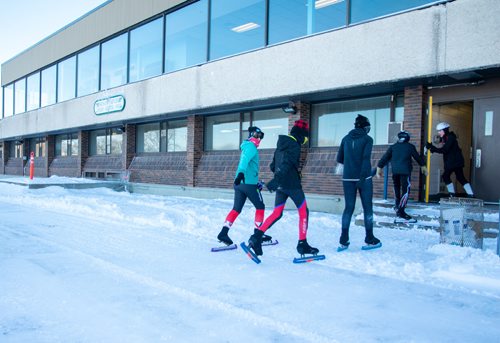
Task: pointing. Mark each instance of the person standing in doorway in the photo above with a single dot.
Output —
(287, 184)
(400, 155)
(452, 157)
(246, 184)
(353, 163)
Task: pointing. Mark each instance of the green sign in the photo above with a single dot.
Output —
(109, 105)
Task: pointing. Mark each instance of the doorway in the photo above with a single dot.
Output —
(459, 116)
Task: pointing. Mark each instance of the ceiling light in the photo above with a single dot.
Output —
(245, 27)
(324, 3)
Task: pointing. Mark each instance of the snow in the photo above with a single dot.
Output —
(97, 265)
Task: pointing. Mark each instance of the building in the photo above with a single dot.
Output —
(161, 91)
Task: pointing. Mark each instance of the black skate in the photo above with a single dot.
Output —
(304, 248)
(255, 242)
(223, 236)
(403, 217)
(371, 243)
(343, 243)
(266, 238)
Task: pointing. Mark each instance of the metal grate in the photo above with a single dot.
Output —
(461, 222)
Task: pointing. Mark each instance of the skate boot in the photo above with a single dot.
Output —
(266, 238)
(344, 241)
(371, 241)
(255, 242)
(304, 248)
(223, 236)
(403, 215)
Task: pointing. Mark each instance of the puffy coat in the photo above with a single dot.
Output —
(285, 164)
(249, 163)
(400, 154)
(355, 153)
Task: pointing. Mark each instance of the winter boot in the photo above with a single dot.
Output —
(255, 242)
(266, 238)
(344, 239)
(223, 236)
(304, 248)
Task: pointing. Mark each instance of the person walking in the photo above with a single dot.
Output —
(353, 163)
(246, 184)
(287, 184)
(452, 157)
(400, 156)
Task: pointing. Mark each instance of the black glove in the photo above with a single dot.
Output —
(260, 185)
(240, 177)
(429, 145)
(272, 185)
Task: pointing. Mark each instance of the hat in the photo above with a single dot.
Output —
(361, 121)
(403, 136)
(254, 131)
(300, 131)
(442, 126)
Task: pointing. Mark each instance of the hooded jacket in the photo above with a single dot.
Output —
(400, 154)
(355, 153)
(285, 164)
(452, 154)
(249, 163)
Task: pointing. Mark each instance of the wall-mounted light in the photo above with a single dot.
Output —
(290, 109)
(121, 129)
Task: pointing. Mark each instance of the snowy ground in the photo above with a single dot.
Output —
(102, 266)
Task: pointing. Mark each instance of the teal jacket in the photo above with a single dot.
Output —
(249, 163)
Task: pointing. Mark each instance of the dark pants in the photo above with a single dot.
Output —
(459, 173)
(366, 193)
(242, 192)
(402, 187)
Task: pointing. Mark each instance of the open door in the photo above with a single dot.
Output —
(486, 163)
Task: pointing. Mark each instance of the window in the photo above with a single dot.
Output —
(226, 132)
(106, 142)
(88, 72)
(290, 19)
(37, 145)
(332, 121)
(114, 62)
(48, 96)
(362, 10)
(399, 109)
(67, 145)
(20, 96)
(146, 45)
(16, 149)
(8, 100)
(186, 36)
(33, 92)
(236, 26)
(168, 136)
(66, 79)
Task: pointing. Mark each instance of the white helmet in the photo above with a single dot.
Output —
(442, 126)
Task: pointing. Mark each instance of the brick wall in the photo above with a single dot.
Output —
(194, 147)
(104, 163)
(166, 168)
(64, 166)
(83, 150)
(129, 139)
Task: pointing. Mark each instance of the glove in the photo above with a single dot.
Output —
(379, 173)
(240, 177)
(260, 185)
(429, 145)
(423, 169)
(339, 169)
(272, 185)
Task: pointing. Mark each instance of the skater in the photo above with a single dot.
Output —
(246, 184)
(400, 155)
(287, 183)
(353, 163)
(452, 157)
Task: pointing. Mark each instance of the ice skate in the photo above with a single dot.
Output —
(255, 242)
(304, 248)
(223, 237)
(371, 242)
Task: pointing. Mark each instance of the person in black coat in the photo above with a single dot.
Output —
(287, 184)
(353, 163)
(452, 157)
(400, 155)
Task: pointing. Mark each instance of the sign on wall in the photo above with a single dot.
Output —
(109, 105)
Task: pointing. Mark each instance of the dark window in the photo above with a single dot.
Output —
(37, 145)
(164, 136)
(146, 45)
(67, 145)
(114, 62)
(106, 142)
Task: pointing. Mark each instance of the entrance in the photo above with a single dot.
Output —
(486, 137)
(459, 116)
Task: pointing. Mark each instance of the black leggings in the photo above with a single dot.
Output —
(401, 187)
(242, 192)
(366, 194)
(459, 174)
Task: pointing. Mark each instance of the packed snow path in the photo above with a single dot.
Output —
(101, 266)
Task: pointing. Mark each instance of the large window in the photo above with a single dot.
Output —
(114, 62)
(290, 19)
(146, 46)
(362, 10)
(226, 132)
(186, 36)
(37, 145)
(332, 121)
(20, 96)
(33, 92)
(162, 136)
(88, 71)
(106, 142)
(48, 96)
(236, 26)
(66, 79)
(67, 145)
(16, 149)
(8, 100)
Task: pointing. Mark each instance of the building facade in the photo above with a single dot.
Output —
(162, 91)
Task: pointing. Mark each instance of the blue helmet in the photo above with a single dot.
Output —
(403, 136)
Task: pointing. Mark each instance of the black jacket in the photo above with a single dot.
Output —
(452, 154)
(285, 164)
(400, 154)
(355, 153)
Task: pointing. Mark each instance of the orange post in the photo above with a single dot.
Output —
(32, 165)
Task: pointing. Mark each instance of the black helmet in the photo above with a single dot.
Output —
(254, 131)
(403, 136)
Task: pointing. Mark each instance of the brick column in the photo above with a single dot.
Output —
(5, 153)
(26, 157)
(303, 113)
(128, 145)
(83, 150)
(415, 104)
(194, 147)
(50, 151)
